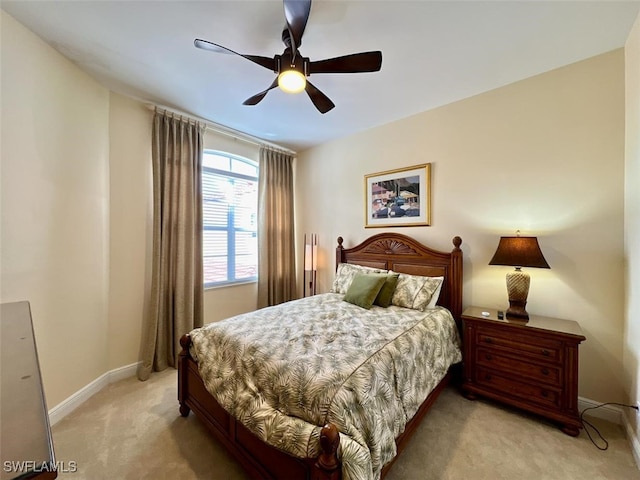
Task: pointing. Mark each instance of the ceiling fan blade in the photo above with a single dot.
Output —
(296, 12)
(257, 98)
(319, 99)
(354, 63)
(265, 62)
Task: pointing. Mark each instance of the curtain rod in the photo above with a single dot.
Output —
(218, 128)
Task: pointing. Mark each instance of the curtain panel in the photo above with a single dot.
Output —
(176, 304)
(276, 240)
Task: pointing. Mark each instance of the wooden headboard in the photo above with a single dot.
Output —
(403, 254)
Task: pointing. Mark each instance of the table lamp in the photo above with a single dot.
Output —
(518, 252)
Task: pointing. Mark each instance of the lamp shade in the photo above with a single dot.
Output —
(519, 252)
(310, 264)
(311, 257)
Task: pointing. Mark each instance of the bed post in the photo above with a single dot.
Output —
(328, 465)
(183, 365)
(339, 250)
(456, 280)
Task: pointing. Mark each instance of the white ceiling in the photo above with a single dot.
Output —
(434, 53)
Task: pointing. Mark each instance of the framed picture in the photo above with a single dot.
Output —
(398, 198)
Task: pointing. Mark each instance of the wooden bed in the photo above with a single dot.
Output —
(390, 251)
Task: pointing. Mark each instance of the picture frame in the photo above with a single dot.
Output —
(398, 198)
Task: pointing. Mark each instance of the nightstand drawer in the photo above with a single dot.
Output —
(545, 349)
(493, 359)
(528, 392)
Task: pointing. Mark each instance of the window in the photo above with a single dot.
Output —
(230, 206)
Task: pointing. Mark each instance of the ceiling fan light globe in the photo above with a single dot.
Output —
(292, 81)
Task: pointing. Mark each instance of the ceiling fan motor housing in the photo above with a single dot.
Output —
(286, 62)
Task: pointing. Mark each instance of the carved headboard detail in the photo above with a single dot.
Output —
(403, 254)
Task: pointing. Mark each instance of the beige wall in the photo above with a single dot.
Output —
(544, 155)
(632, 224)
(130, 223)
(55, 206)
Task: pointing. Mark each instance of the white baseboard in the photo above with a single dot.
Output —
(68, 405)
(121, 373)
(634, 442)
(611, 413)
(614, 414)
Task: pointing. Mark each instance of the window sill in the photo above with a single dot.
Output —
(229, 284)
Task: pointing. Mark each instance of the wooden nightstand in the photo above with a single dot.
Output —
(530, 365)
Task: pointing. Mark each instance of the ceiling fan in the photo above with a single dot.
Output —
(292, 68)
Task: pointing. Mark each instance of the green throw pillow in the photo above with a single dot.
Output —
(364, 289)
(386, 292)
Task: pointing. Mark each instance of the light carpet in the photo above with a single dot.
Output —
(133, 430)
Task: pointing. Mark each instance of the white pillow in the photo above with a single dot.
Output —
(345, 274)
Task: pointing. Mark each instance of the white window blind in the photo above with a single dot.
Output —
(230, 203)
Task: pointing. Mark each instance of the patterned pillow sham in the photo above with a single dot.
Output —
(436, 294)
(414, 291)
(345, 274)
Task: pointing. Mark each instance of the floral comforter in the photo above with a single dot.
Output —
(285, 371)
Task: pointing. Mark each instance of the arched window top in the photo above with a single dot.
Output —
(227, 162)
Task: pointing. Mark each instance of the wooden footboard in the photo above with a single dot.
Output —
(259, 459)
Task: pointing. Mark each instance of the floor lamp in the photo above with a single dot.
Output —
(310, 264)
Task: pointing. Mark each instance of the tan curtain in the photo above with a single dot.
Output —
(276, 249)
(176, 285)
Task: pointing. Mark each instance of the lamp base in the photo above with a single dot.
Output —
(516, 310)
(518, 288)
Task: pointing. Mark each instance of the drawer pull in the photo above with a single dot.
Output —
(487, 377)
(545, 371)
(545, 394)
(488, 356)
(488, 340)
(545, 352)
